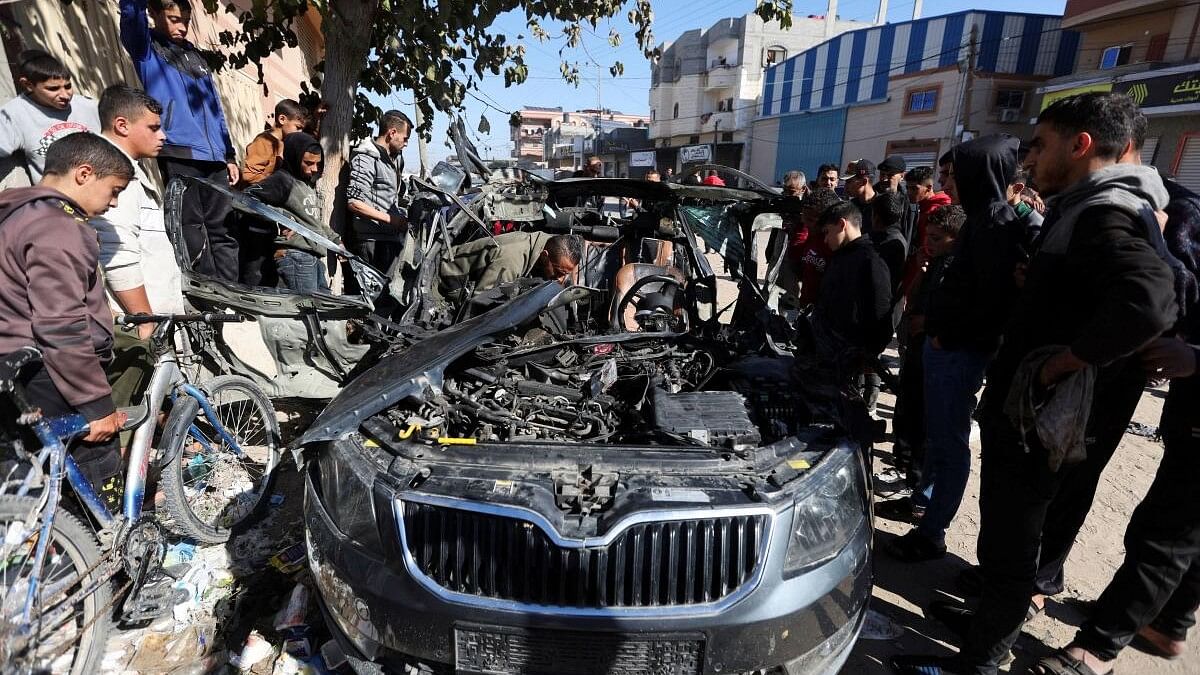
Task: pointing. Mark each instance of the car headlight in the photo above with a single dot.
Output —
(828, 511)
(343, 480)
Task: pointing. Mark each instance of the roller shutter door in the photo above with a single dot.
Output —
(915, 159)
(1148, 150)
(1187, 168)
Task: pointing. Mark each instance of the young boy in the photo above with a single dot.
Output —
(807, 249)
(941, 232)
(265, 152)
(46, 111)
(52, 293)
(175, 73)
(299, 261)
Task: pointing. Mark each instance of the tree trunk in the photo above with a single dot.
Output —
(347, 29)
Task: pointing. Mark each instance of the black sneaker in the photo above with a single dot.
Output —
(915, 547)
(902, 510)
(890, 482)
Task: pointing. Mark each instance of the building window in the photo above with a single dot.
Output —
(675, 112)
(692, 140)
(1115, 56)
(727, 137)
(921, 101)
(652, 114)
(775, 55)
(1010, 98)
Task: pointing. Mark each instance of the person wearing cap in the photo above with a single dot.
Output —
(891, 173)
(860, 188)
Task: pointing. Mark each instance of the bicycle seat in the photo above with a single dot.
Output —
(11, 365)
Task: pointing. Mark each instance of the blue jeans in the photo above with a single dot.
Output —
(301, 272)
(952, 378)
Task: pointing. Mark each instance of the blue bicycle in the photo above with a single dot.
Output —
(217, 451)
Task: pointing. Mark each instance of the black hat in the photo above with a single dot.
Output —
(893, 164)
(860, 167)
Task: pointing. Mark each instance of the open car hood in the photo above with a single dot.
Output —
(407, 373)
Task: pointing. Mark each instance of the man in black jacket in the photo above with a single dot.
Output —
(1096, 292)
(963, 326)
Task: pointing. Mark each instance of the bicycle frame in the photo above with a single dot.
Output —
(51, 432)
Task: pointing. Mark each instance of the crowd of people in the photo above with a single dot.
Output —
(1065, 307)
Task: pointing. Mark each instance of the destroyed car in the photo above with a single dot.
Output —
(547, 485)
(612, 474)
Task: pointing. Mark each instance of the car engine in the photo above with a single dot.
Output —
(619, 389)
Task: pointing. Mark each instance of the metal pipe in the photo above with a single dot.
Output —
(830, 18)
(881, 14)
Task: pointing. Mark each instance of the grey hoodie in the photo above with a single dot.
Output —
(1136, 190)
(375, 180)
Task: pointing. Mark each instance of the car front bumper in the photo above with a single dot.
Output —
(381, 613)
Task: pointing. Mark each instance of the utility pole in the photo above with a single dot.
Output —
(881, 14)
(422, 148)
(970, 79)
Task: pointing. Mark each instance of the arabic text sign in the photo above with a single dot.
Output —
(1174, 89)
(641, 158)
(695, 153)
(1052, 96)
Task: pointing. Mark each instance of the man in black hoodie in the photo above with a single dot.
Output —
(300, 261)
(1096, 291)
(963, 326)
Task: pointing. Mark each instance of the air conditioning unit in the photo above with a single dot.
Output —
(1010, 115)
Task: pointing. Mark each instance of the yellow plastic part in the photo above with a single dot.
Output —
(447, 440)
(407, 433)
(798, 464)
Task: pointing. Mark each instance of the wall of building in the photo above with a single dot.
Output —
(762, 154)
(856, 67)
(807, 141)
(85, 36)
(1140, 31)
(686, 75)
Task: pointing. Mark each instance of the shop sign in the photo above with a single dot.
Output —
(695, 153)
(1052, 96)
(1173, 89)
(641, 158)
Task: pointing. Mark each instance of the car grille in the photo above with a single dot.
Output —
(656, 564)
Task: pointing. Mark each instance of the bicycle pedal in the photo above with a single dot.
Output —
(152, 602)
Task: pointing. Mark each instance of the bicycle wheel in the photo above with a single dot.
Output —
(70, 624)
(209, 485)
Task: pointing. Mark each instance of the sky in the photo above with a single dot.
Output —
(629, 93)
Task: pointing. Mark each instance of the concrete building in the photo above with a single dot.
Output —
(85, 37)
(704, 91)
(529, 137)
(907, 88)
(1149, 50)
(573, 136)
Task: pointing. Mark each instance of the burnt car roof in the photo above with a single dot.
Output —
(569, 188)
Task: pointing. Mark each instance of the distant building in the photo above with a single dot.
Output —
(574, 136)
(1148, 50)
(907, 88)
(705, 89)
(528, 138)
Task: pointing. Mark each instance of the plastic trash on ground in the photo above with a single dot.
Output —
(879, 627)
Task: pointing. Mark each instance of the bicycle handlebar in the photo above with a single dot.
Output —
(206, 317)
